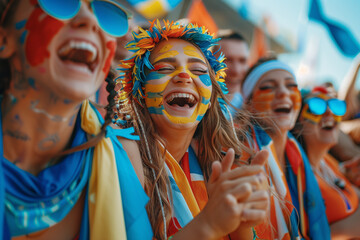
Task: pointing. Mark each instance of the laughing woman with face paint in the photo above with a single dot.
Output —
(271, 95)
(174, 85)
(317, 130)
(63, 173)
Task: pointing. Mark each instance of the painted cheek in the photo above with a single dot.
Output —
(155, 76)
(262, 100)
(41, 31)
(205, 79)
(154, 93)
(296, 99)
(111, 46)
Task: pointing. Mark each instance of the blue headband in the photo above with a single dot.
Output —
(256, 74)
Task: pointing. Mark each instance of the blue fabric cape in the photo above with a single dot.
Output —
(71, 175)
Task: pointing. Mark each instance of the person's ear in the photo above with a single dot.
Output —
(7, 47)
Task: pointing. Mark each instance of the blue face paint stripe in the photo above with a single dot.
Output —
(31, 82)
(154, 76)
(21, 24)
(205, 100)
(154, 110)
(154, 94)
(205, 79)
(23, 36)
(200, 117)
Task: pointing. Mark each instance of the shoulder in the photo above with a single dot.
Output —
(132, 149)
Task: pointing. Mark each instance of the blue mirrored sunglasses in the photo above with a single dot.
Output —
(112, 18)
(318, 106)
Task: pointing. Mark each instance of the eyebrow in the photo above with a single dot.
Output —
(194, 60)
(172, 60)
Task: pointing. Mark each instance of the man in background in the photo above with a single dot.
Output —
(236, 51)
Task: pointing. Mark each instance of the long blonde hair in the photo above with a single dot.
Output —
(214, 133)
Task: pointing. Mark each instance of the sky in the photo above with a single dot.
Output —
(309, 39)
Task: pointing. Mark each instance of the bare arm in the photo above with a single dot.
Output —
(347, 228)
(347, 89)
(345, 149)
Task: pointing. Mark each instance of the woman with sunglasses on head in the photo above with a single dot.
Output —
(271, 95)
(174, 85)
(317, 129)
(63, 172)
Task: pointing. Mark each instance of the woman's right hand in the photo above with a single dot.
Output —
(235, 196)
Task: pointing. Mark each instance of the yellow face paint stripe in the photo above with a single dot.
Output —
(202, 108)
(155, 87)
(165, 48)
(192, 52)
(168, 54)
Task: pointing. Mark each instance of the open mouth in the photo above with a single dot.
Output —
(79, 52)
(184, 100)
(283, 109)
(328, 125)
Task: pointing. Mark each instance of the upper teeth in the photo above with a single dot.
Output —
(282, 106)
(328, 123)
(73, 44)
(180, 95)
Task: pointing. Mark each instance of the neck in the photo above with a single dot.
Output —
(177, 141)
(279, 140)
(37, 126)
(316, 154)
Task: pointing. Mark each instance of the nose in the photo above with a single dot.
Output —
(183, 77)
(85, 19)
(282, 91)
(328, 112)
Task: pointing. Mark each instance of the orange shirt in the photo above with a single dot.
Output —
(339, 203)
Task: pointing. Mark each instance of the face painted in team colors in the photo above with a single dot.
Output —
(316, 118)
(179, 86)
(70, 57)
(277, 97)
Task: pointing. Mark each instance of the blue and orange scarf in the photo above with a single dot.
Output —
(115, 200)
(189, 194)
(301, 185)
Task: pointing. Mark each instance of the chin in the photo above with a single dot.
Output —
(75, 92)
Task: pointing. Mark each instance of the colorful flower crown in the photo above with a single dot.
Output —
(132, 70)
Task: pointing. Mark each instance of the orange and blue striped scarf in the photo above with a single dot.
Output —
(189, 194)
(301, 184)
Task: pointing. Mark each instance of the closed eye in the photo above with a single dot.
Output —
(266, 87)
(165, 69)
(199, 71)
(292, 85)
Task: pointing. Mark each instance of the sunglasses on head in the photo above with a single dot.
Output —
(112, 18)
(318, 106)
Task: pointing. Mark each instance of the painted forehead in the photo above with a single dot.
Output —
(276, 74)
(172, 48)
